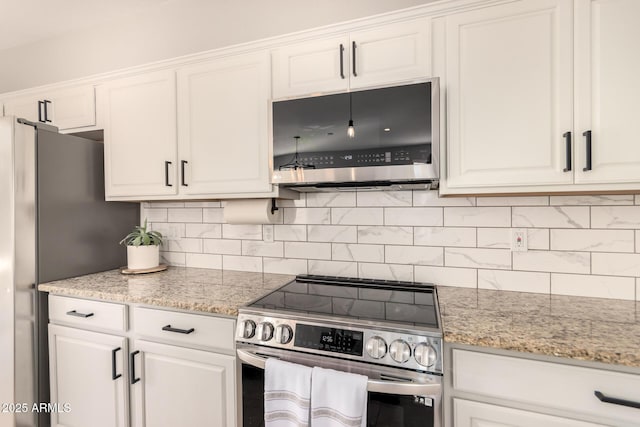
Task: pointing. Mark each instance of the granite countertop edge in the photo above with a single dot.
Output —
(221, 308)
(470, 316)
(190, 289)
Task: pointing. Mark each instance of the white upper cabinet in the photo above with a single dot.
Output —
(313, 66)
(508, 74)
(380, 56)
(139, 115)
(521, 78)
(607, 90)
(390, 53)
(199, 132)
(223, 123)
(67, 108)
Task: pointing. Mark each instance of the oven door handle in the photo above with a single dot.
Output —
(399, 388)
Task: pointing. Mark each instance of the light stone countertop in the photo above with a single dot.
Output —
(196, 289)
(590, 329)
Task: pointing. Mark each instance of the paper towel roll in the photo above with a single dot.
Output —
(250, 211)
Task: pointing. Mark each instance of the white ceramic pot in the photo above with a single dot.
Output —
(143, 257)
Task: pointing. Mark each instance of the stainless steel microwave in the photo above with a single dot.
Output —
(382, 138)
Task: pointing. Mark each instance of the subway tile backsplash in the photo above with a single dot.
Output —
(578, 245)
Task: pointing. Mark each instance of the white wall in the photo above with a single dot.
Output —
(173, 28)
(579, 245)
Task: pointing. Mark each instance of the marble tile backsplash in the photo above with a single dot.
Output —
(578, 245)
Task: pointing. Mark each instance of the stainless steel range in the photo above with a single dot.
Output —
(389, 331)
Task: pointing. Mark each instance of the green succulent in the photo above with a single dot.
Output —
(141, 237)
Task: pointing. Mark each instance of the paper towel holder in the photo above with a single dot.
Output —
(274, 208)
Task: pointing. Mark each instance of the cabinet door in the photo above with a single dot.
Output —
(65, 108)
(475, 414)
(23, 107)
(223, 122)
(72, 108)
(82, 376)
(182, 387)
(315, 66)
(607, 90)
(140, 135)
(508, 80)
(390, 53)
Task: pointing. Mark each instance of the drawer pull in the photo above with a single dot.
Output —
(180, 331)
(76, 314)
(114, 376)
(615, 401)
(132, 365)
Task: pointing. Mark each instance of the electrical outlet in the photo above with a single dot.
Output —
(519, 240)
(267, 233)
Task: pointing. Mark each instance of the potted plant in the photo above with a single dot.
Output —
(143, 248)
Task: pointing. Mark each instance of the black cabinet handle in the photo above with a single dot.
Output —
(341, 61)
(46, 115)
(166, 174)
(132, 367)
(353, 57)
(114, 376)
(587, 135)
(40, 107)
(567, 139)
(615, 401)
(76, 314)
(180, 331)
(182, 163)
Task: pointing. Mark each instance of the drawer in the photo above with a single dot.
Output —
(468, 414)
(87, 313)
(547, 384)
(185, 328)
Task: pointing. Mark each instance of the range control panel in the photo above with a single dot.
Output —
(328, 339)
(406, 155)
(416, 352)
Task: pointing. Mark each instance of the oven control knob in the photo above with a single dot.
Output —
(248, 329)
(376, 347)
(400, 351)
(425, 354)
(284, 334)
(265, 331)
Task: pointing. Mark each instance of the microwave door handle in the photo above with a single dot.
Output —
(375, 386)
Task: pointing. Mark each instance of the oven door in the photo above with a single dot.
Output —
(397, 397)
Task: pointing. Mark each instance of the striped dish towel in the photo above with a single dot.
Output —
(338, 399)
(287, 390)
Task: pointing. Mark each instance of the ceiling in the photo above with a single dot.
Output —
(27, 21)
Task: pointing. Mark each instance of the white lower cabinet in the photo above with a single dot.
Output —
(173, 369)
(176, 386)
(88, 373)
(474, 414)
(518, 391)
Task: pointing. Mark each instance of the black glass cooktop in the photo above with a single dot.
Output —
(402, 303)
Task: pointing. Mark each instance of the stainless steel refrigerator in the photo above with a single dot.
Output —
(54, 224)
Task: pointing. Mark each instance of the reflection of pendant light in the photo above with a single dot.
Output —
(296, 164)
(351, 131)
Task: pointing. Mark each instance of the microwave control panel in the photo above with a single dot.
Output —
(407, 155)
